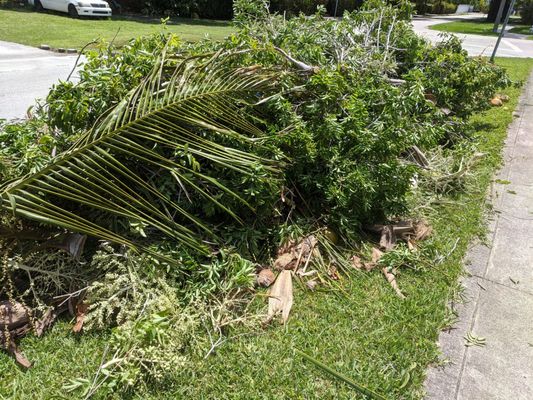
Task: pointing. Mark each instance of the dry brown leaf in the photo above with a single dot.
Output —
(333, 273)
(81, 311)
(376, 255)
(391, 278)
(12, 349)
(291, 255)
(266, 277)
(496, 102)
(7, 342)
(356, 262)
(504, 98)
(280, 297)
(422, 230)
(284, 260)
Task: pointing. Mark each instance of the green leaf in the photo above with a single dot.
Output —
(360, 388)
(192, 105)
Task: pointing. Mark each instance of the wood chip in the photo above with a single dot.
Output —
(265, 277)
(12, 315)
(388, 238)
(81, 311)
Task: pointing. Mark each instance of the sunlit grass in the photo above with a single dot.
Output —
(59, 30)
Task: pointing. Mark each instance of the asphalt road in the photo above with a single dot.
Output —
(27, 73)
(510, 46)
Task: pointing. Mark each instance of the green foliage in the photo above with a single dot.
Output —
(462, 84)
(443, 7)
(188, 130)
(342, 131)
(147, 350)
(216, 9)
(295, 7)
(105, 78)
(199, 158)
(376, 342)
(525, 8)
(26, 147)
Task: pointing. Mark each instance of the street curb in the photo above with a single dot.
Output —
(58, 50)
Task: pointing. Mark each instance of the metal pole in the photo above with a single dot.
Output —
(499, 16)
(511, 6)
(336, 6)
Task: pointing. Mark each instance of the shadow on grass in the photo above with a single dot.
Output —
(481, 126)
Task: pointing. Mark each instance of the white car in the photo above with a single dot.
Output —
(75, 8)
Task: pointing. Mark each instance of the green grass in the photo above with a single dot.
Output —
(476, 27)
(59, 30)
(523, 30)
(364, 333)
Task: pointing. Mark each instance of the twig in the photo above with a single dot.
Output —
(78, 58)
(301, 65)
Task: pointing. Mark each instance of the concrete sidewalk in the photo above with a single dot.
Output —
(499, 292)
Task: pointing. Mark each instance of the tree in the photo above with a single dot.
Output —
(493, 10)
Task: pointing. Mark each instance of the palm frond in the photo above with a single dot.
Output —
(193, 106)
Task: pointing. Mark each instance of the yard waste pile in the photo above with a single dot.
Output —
(176, 182)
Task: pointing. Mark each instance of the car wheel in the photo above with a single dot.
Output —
(72, 11)
(38, 6)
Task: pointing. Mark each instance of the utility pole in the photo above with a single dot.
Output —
(336, 6)
(499, 16)
(511, 6)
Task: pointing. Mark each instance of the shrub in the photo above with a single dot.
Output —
(343, 5)
(295, 7)
(212, 9)
(525, 8)
(443, 7)
(349, 125)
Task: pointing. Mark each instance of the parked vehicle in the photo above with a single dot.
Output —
(75, 8)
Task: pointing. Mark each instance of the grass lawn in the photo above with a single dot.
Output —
(524, 30)
(59, 30)
(363, 331)
(476, 27)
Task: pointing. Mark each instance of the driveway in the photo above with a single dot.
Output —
(27, 73)
(476, 44)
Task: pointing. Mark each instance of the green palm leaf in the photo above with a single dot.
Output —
(193, 106)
